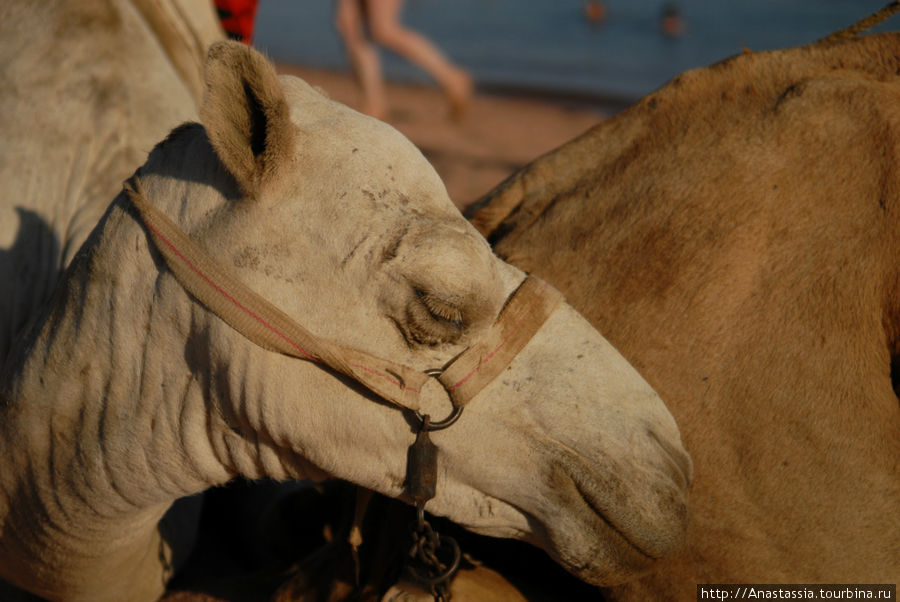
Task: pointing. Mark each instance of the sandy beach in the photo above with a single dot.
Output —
(497, 135)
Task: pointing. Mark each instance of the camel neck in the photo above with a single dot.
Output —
(94, 454)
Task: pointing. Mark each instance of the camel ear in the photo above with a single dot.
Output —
(246, 116)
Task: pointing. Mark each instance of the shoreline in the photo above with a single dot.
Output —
(608, 104)
(503, 129)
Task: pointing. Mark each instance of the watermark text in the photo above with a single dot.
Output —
(798, 591)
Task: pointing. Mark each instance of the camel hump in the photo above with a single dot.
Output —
(246, 116)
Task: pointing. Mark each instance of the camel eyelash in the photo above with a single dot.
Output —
(441, 310)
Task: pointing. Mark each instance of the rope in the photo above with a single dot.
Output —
(868, 23)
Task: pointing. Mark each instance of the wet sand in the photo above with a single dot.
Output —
(497, 135)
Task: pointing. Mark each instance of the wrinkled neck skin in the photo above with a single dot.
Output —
(104, 426)
(90, 439)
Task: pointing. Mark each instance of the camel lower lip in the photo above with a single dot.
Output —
(632, 521)
(601, 515)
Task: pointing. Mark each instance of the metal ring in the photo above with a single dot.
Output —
(446, 542)
(441, 424)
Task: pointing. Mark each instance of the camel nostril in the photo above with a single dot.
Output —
(679, 462)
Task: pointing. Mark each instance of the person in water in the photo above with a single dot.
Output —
(364, 23)
(670, 21)
(595, 11)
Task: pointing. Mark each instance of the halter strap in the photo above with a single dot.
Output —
(269, 327)
(522, 316)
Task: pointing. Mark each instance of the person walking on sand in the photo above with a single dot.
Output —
(382, 19)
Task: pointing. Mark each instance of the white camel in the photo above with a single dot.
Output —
(129, 392)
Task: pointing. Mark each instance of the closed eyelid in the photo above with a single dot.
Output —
(429, 321)
(441, 309)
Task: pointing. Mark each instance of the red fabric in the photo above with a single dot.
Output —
(237, 18)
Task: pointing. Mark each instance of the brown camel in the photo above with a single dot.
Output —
(736, 234)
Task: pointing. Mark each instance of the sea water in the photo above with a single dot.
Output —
(550, 47)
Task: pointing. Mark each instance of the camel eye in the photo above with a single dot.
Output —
(431, 320)
(441, 310)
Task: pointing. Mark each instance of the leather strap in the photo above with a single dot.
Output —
(524, 314)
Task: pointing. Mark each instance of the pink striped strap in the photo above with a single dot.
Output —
(524, 314)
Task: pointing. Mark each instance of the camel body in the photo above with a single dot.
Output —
(127, 393)
(89, 88)
(736, 235)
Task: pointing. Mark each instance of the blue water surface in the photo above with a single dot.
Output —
(549, 46)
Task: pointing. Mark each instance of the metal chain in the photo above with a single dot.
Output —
(425, 562)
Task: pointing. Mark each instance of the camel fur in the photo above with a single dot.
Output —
(736, 234)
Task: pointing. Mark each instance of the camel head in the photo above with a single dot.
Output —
(339, 221)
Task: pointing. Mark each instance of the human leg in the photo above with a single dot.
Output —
(349, 19)
(386, 29)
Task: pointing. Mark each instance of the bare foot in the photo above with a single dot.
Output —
(458, 90)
